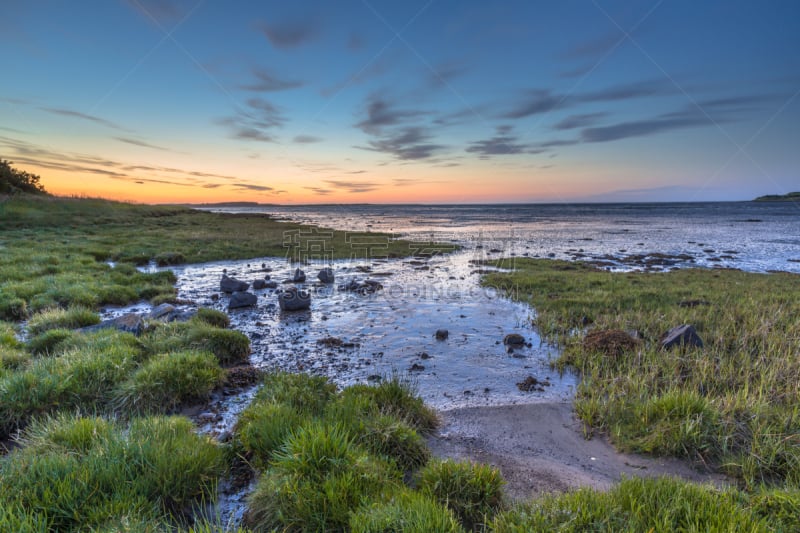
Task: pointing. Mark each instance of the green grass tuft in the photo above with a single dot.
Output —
(309, 395)
(169, 380)
(49, 342)
(409, 512)
(263, 427)
(473, 492)
(212, 317)
(72, 318)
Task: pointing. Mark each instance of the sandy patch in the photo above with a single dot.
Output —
(540, 448)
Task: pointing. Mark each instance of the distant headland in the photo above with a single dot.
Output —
(792, 196)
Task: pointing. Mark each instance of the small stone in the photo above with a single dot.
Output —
(681, 336)
(514, 339)
(441, 334)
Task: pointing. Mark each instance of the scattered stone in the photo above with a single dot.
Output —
(330, 342)
(684, 336)
(242, 299)
(362, 287)
(514, 339)
(441, 334)
(424, 355)
(416, 367)
(259, 284)
(326, 275)
(214, 297)
(374, 377)
(207, 417)
(531, 384)
(299, 276)
(231, 285)
(293, 299)
(240, 377)
(270, 284)
(612, 342)
(160, 311)
(128, 323)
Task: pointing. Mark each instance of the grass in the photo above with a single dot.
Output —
(638, 504)
(78, 473)
(730, 406)
(56, 250)
(407, 511)
(473, 492)
(71, 318)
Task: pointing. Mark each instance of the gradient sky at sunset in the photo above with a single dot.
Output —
(431, 101)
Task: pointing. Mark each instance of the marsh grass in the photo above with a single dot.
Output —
(49, 342)
(638, 504)
(212, 317)
(732, 405)
(407, 511)
(228, 346)
(472, 491)
(70, 318)
(89, 473)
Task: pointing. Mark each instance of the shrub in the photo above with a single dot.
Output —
(473, 492)
(71, 318)
(263, 427)
(49, 342)
(212, 317)
(316, 481)
(169, 380)
(409, 512)
(13, 181)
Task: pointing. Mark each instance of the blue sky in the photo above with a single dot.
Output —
(417, 101)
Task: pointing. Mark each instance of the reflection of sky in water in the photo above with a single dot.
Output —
(763, 236)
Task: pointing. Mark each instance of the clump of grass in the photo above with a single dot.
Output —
(316, 481)
(91, 474)
(407, 511)
(396, 397)
(779, 507)
(169, 380)
(228, 346)
(308, 395)
(8, 336)
(730, 406)
(13, 359)
(212, 317)
(164, 298)
(263, 427)
(12, 308)
(71, 318)
(50, 341)
(169, 258)
(35, 390)
(473, 492)
(636, 504)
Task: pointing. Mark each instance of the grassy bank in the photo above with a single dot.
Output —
(733, 405)
(54, 252)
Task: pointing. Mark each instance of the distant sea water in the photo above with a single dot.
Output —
(752, 236)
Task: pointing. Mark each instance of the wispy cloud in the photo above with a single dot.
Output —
(408, 143)
(578, 121)
(353, 186)
(290, 33)
(504, 143)
(255, 121)
(306, 139)
(143, 144)
(382, 113)
(319, 190)
(266, 81)
(251, 187)
(83, 116)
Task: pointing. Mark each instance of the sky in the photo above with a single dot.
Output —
(414, 101)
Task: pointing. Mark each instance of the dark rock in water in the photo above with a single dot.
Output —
(416, 367)
(532, 384)
(362, 287)
(160, 311)
(128, 323)
(514, 339)
(326, 275)
(441, 334)
(214, 297)
(293, 299)
(230, 285)
(259, 284)
(299, 276)
(242, 299)
(681, 336)
(270, 284)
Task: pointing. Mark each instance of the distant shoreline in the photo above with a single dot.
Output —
(789, 197)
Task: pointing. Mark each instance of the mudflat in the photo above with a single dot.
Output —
(541, 448)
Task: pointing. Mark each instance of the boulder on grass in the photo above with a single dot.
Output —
(242, 299)
(128, 323)
(684, 336)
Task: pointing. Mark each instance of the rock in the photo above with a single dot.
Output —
(293, 299)
(681, 336)
(326, 275)
(259, 284)
(160, 311)
(531, 384)
(230, 285)
(242, 299)
(441, 334)
(270, 284)
(416, 367)
(299, 276)
(128, 323)
(362, 287)
(514, 339)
